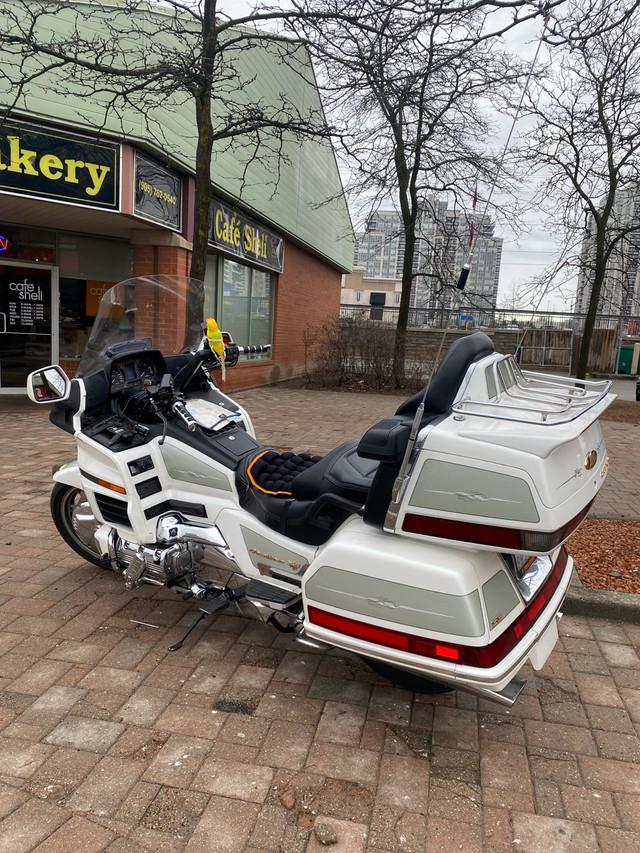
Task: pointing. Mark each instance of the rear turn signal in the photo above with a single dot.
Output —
(483, 657)
(497, 537)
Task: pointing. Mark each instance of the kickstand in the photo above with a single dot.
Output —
(220, 602)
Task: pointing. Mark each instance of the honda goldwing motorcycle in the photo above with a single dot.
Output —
(433, 546)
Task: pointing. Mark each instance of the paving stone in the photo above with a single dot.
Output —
(505, 766)
(555, 736)
(297, 668)
(609, 719)
(287, 745)
(85, 734)
(598, 690)
(631, 699)
(351, 692)
(30, 825)
(175, 813)
(618, 655)
(281, 707)
(194, 722)
(22, 758)
(624, 747)
(452, 835)
(589, 806)
(343, 762)
(52, 705)
(178, 761)
(270, 827)
(243, 729)
(455, 728)
(112, 679)
(610, 775)
(455, 800)
(106, 786)
(66, 767)
(248, 782)
(540, 834)
(77, 834)
(135, 804)
(497, 829)
(404, 782)
(547, 799)
(460, 764)
(341, 722)
(144, 706)
(230, 822)
(617, 840)
(39, 677)
(390, 705)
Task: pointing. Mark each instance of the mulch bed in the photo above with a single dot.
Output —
(606, 553)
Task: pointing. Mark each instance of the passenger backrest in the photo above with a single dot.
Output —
(448, 377)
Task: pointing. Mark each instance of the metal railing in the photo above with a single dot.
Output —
(500, 318)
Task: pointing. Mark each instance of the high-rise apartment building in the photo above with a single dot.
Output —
(620, 294)
(442, 247)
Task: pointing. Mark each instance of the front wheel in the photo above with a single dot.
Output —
(406, 680)
(76, 523)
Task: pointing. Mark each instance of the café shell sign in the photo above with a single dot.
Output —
(245, 238)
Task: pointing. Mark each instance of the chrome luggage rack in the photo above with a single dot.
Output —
(530, 397)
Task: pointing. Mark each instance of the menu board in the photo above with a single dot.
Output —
(25, 300)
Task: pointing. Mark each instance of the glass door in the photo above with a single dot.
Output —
(28, 322)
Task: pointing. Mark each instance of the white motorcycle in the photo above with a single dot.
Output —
(433, 547)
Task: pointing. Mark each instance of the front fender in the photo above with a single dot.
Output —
(68, 473)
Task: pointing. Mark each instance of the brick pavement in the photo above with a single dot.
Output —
(244, 742)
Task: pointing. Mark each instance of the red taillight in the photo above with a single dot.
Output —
(509, 538)
(483, 657)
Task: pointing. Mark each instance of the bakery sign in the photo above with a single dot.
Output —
(245, 238)
(59, 166)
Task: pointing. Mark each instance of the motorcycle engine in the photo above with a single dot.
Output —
(167, 565)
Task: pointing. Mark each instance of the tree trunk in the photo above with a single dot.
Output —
(204, 151)
(202, 199)
(600, 269)
(400, 343)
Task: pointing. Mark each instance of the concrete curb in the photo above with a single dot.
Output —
(603, 604)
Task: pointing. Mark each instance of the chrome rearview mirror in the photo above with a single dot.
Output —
(48, 385)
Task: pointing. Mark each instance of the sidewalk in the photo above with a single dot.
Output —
(244, 742)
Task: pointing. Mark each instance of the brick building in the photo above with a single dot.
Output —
(81, 211)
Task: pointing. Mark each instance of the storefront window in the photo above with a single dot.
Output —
(88, 267)
(247, 304)
(27, 244)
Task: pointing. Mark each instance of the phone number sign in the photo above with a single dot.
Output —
(158, 193)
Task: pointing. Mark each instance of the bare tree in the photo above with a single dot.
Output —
(585, 145)
(148, 58)
(409, 80)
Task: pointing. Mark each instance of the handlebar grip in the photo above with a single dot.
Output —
(183, 413)
(253, 350)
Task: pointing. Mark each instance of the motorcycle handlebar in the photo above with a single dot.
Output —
(183, 413)
(254, 350)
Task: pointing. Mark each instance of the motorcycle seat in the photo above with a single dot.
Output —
(307, 498)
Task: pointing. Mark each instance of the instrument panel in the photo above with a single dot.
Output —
(134, 371)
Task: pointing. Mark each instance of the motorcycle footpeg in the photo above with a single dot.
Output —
(274, 596)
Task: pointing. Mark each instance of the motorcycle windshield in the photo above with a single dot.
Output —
(162, 312)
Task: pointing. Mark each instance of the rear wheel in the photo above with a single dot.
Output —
(76, 523)
(406, 680)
